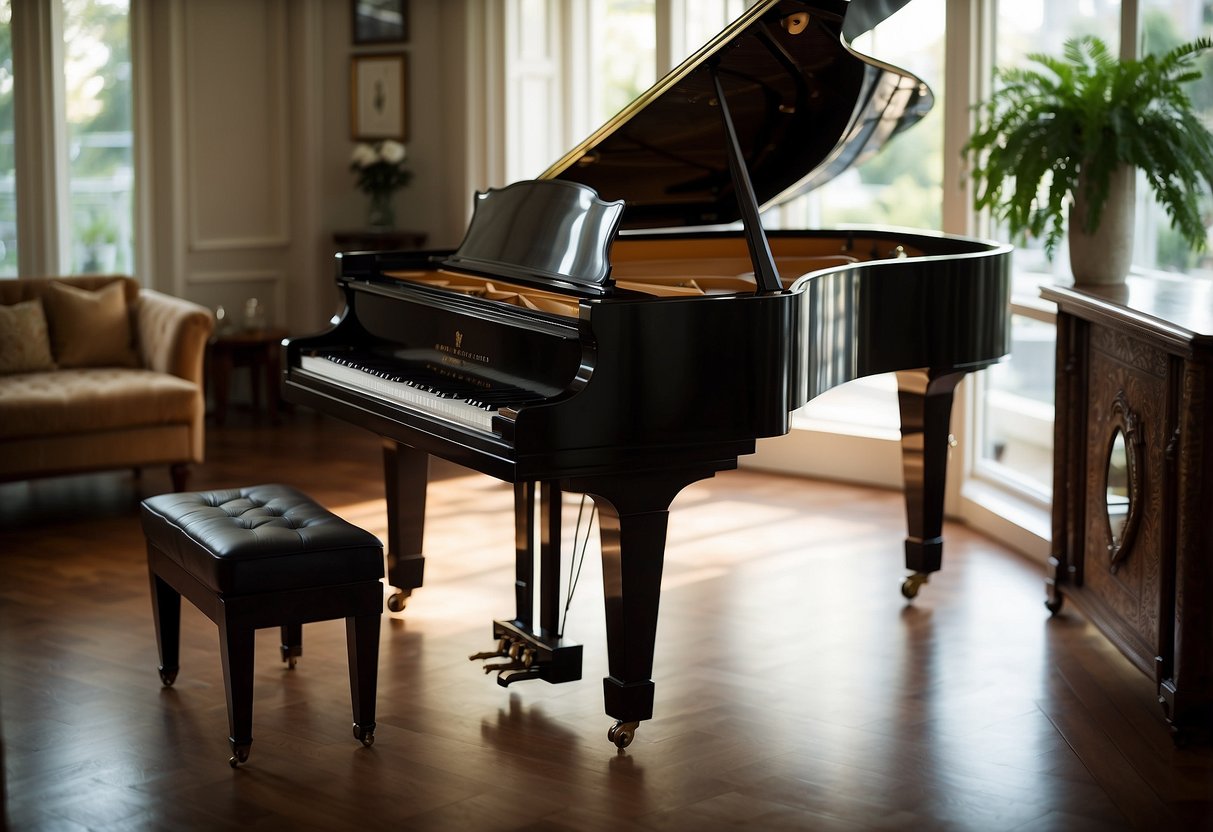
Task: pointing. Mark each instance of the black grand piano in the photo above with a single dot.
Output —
(623, 326)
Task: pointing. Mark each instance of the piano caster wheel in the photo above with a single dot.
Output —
(239, 754)
(168, 676)
(622, 733)
(397, 600)
(290, 655)
(909, 587)
(366, 736)
(1054, 604)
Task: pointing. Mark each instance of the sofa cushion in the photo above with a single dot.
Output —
(90, 328)
(25, 345)
(80, 401)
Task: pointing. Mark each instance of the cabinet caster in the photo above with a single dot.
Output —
(397, 601)
(622, 733)
(365, 734)
(909, 587)
(1054, 604)
(168, 675)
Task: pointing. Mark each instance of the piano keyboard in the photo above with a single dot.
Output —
(415, 387)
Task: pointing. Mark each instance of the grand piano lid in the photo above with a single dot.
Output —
(804, 103)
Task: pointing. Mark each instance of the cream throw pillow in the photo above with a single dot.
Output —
(90, 329)
(25, 346)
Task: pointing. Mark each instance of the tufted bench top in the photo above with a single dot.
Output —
(263, 538)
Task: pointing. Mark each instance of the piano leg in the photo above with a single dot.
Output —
(925, 400)
(405, 475)
(632, 514)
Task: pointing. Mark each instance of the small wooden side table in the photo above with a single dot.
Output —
(260, 351)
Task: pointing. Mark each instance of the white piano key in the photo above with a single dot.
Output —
(456, 410)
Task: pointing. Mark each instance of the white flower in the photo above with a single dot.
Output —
(364, 155)
(392, 152)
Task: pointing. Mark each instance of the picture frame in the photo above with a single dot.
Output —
(379, 21)
(379, 97)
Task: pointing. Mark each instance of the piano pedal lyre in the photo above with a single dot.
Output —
(530, 656)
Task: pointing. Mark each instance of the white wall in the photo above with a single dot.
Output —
(244, 142)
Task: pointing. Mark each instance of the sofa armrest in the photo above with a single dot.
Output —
(173, 334)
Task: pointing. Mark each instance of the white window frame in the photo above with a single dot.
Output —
(979, 493)
(43, 178)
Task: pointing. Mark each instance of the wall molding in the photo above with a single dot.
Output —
(276, 234)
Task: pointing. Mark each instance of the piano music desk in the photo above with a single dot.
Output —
(259, 350)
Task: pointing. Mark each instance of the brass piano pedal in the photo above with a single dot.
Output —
(503, 646)
(502, 666)
(506, 677)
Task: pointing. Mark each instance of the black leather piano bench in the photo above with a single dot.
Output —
(264, 556)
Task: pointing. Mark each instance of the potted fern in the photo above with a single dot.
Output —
(1066, 139)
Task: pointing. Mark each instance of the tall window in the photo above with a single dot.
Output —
(97, 82)
(1165, 24)
(900, 186)
(1015, 413)
(72, 79)
(1014, 418)
(625, 63)
(1009, 414)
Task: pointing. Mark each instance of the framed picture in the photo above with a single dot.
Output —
(380, 21)
(379, 97)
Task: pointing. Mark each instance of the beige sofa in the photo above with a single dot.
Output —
(98, 373)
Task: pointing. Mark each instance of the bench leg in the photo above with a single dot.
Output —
(292, 643)
(362, 641)
(236, 650)
(166, 612)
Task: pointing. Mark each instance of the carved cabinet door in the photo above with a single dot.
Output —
(1126, 559)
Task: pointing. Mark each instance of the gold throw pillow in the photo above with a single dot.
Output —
(90, 329)
(25, 346)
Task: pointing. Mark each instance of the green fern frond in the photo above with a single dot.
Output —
(1088, 113)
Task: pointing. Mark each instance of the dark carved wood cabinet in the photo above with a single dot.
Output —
(1133, 480)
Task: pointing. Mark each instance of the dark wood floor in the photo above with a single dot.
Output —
(795, 688)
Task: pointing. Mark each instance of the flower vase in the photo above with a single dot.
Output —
(382, 213)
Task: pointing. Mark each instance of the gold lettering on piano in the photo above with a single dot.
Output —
(455, 355)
